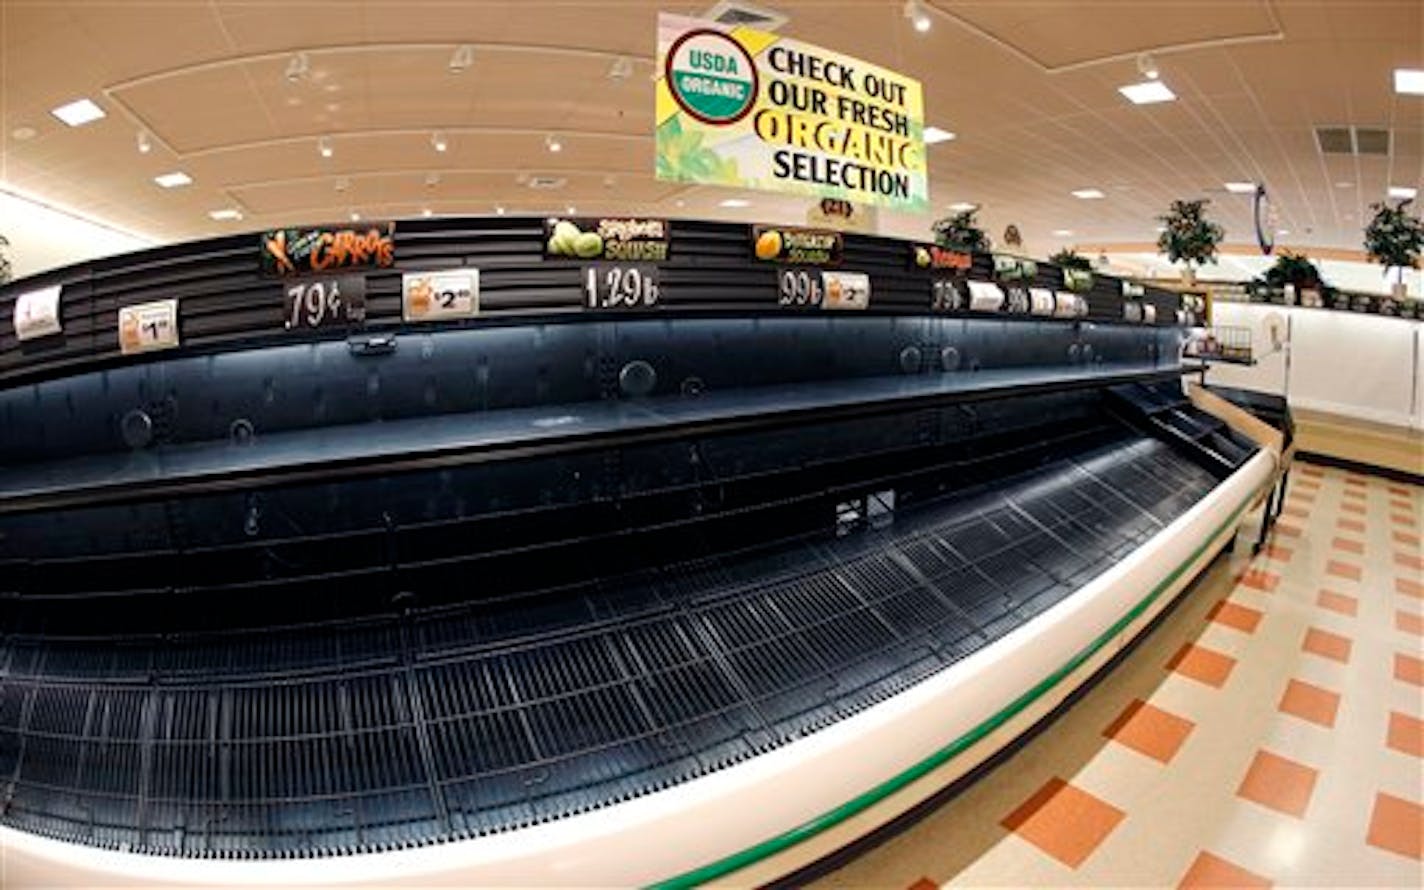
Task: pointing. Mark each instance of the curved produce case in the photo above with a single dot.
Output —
(556, 592)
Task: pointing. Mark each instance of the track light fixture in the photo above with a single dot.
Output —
(298, 67)
(145, 145)
(917, 15)
(437, 141)
(324, 147)
(622, 69)
(1147, 67)
(462, 58)
(552, 143)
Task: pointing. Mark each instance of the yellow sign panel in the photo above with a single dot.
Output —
(745, 108)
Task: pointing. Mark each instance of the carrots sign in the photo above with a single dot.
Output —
(298, 251)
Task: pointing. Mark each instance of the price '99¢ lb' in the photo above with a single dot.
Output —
(621, 286)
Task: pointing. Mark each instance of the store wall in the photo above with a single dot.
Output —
(43, 237)
(1362, 366)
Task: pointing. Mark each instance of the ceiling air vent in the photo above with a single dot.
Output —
(1352, 140)
(1371, 142)
(545, 183)
(734, 13)
(1335, 140)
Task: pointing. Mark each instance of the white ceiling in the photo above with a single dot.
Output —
(1030, 87)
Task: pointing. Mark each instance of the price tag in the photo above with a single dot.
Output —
(621, 286)
(845, 290)
(322, 302)
(946, 296)
(799, 287)
(37, 313)
(146, 327)
(439, 296)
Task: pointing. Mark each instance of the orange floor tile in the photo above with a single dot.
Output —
(1348, 545)
(1203, 665)
(1065, 822)
(1409, 587)
(1310, 702)
(1397, 825)
(1409, 622)
(1150, 730)
(1409, 561)
(1286, 530)
(1210, 871)
(1242, 618)
(1408, 669)
(1406, 734)
(1342, 569)
(1338, 602)
(1278, 783)
(1326, 644)
(1405, 538)
(1259, 579)
(1353, 525)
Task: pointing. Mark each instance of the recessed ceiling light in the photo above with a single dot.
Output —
(572, 210)
(342, 183)
(1147, 93)
(426, 212)
(963, 207)
(23, 134)
(324, 146)
(1409, 80)
(145, 145)
(934, 136)
(173, 180)
(499, 210)
(734, 202)
(680, 203)
(1241, 188)
(355, 217)
(297, 67)
(553, 144)
(432, 180)
(1062, 233)
(437, 141)
(226, 214)
(78, 113)
(1282, 232)
(461, 59)
(1088, 194)
(1344, 184)
(1403, 191)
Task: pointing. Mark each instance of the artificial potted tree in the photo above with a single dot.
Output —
(961, 232)
(1394, 239)
(1188, 236)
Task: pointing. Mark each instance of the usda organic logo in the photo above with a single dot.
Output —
(711, 77)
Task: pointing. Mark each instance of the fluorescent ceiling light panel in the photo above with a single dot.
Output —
(934, 136)
(173, 180)
(1241, 188)
(735, 202)
(78, 113)
(1409, 80)
(1402, 191)
(1088, 194)
(963, 206)
(226, 214)
(1147, 93)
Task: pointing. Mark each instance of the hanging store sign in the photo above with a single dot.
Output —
(932, 256)
(440, 296)
(780, 244)
(750, 109)
(37, 313)
(616, 239)
(147, 327)
(305, 251)
(1266, 219)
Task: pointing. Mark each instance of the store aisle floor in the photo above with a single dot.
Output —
(1268, 732)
